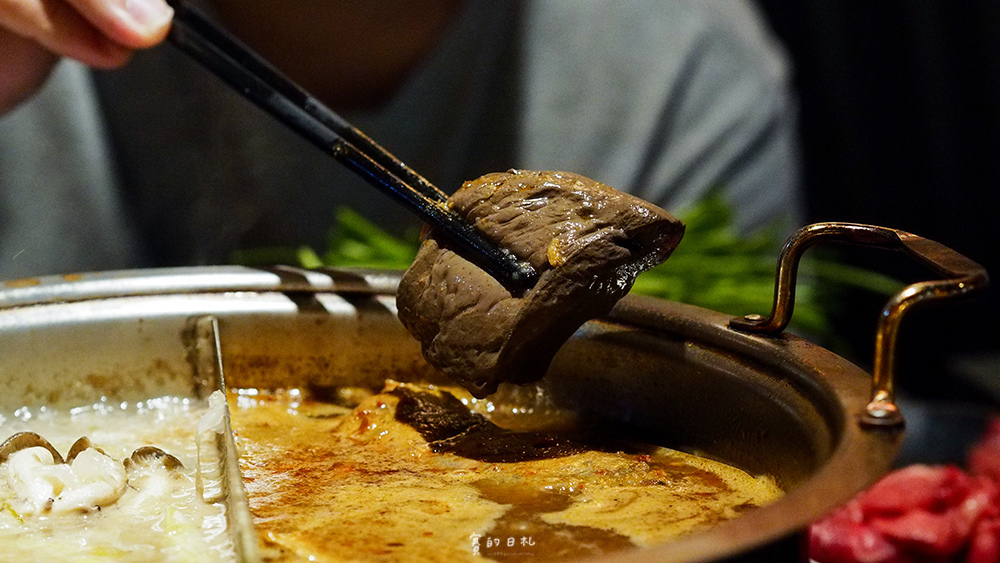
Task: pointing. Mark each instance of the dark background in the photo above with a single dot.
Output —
(900, 118)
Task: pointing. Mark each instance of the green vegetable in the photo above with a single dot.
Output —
(353, 241)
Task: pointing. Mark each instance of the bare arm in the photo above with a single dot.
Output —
(99, 33)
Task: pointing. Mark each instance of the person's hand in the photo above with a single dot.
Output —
(99, 33)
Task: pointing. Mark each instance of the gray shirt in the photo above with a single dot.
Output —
(159, 164)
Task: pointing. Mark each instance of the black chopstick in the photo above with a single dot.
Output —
(265, 86)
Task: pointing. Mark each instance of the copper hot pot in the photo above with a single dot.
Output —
(734, 389)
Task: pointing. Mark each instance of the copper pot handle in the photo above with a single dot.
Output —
(960, 275)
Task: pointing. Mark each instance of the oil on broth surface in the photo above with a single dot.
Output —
(332, 483)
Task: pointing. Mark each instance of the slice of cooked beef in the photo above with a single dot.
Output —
(588, 242)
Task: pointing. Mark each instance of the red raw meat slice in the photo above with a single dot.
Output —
(983, 501)
(985, 544)
(924, 532)
(839, 539)
(936, 530)
(933, 488)
(984, 458)
(920, 514)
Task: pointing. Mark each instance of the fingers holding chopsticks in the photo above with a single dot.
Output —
(99, 33)
(133, 24)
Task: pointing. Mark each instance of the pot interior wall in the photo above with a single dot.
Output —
(660, 385)
(694, 397)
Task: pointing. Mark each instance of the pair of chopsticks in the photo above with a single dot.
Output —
(257, 80)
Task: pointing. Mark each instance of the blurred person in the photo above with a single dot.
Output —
(157, 163)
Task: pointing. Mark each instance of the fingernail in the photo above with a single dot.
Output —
(149, 14)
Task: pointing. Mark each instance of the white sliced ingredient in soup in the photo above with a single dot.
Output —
(41, 485)
(158, 514)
